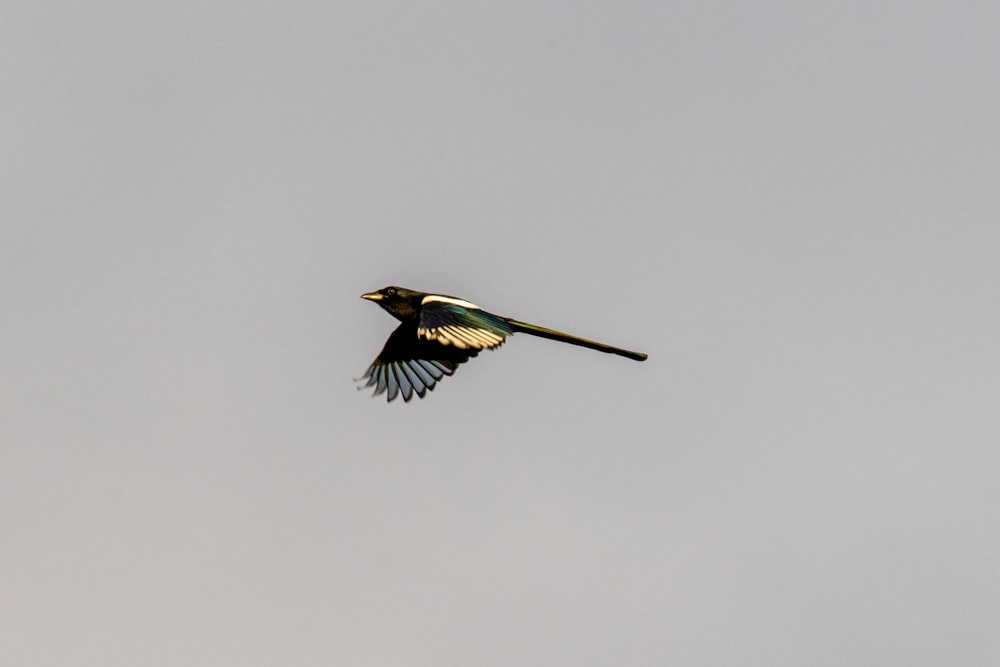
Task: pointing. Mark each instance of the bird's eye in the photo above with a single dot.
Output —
(391, 291)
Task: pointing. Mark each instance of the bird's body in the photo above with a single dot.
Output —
(438, 333)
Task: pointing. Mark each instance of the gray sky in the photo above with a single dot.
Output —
(792, 207)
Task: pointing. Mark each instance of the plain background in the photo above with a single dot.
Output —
(792, 207)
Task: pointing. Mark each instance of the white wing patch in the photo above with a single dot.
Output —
(449, 299)
(462, 337)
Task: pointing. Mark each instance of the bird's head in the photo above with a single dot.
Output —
(401, 303)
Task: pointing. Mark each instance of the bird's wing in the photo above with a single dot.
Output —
(409, 364)
(460, 324)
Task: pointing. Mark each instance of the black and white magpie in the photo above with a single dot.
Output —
(440, 332)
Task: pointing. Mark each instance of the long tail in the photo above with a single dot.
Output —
(542, 332)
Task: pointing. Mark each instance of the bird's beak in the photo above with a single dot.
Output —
(372, 296)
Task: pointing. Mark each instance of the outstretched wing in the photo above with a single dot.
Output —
(409, 364)
(457, 323)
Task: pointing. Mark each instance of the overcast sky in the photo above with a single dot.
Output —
(794, 208)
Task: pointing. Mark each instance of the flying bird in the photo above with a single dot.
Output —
(438, 333)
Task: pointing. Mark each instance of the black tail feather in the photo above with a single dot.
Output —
(542, 332)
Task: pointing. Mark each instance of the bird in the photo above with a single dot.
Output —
(438, 333)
